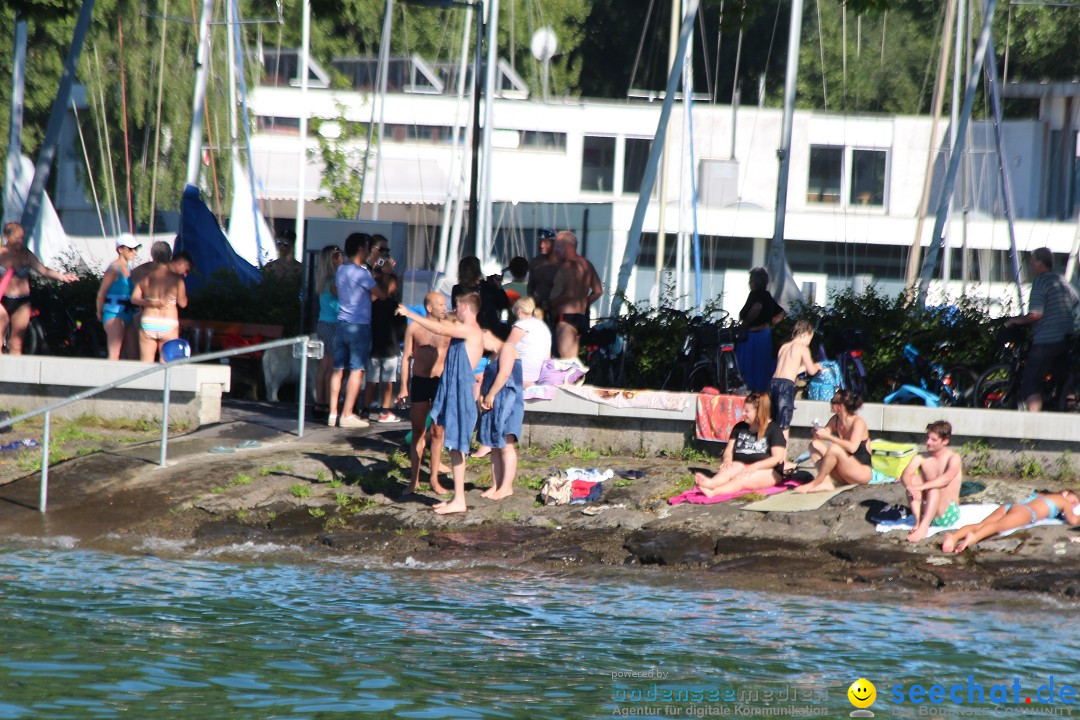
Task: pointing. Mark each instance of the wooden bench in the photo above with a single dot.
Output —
(247, 375)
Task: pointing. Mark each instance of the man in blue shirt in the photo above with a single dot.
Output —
(1050, 313)
(352, 342)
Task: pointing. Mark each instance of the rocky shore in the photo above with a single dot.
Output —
(248, 484)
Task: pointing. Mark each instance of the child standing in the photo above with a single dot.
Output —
(503, 404)
(453, 411)
(794, 357)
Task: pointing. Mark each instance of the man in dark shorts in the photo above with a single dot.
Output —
(1051, 317)
(427, 353)
(575, 288)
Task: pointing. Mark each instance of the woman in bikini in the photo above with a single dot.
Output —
(160, 293)
(840, 449)
(16, 262)
(1064, 505)
(114, 308)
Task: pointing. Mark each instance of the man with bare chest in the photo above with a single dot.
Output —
(576, 286)
(427, 353)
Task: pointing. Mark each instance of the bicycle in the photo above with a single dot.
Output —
(932, 383)
(605, 355)
(56, 330)
(707, 358)
(999, 385)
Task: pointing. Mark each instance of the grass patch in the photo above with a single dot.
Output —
(566, 447)
(321, 476)
(300, 490)
(684, 483)
(316, 512)
(343, 499)
(622, 482)
(281, 468)
(219, 490)
(640, 453)
(691, 453)
(385, 483)
(977, 459)
(423, 533)
(512, 515)
(588, 454)
(334, 523)
(362, 504)
(335, 483)
(242, 479)
(71, 432)
(88, 450)
(400, 460)
(532, 482)
(752, 497)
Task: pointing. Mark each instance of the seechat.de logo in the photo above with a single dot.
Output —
(862, 694)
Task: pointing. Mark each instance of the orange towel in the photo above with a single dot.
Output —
(717, 415)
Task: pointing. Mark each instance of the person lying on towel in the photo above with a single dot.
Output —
(753, 457)
(1064, 505)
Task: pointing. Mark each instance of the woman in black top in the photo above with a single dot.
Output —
(754, 456)
(493, 300)
(840, 449)
(758, 315)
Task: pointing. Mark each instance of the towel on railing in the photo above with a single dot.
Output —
(717, 415)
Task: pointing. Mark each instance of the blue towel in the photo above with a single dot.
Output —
(507, 412)
(756, 360)
(454, 407)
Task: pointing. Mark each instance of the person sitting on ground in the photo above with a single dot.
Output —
(1064, 505)
(840, 450)
(114, 308)
(329, 260)
(753, 457)
(794, 358)
(454, 407)
(160, 254)
(517, 288)
(424, 356)
(932, 480)
(16, 262)
(503, 409)
(160, 294)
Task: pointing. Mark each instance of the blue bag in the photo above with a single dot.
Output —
(825, 384)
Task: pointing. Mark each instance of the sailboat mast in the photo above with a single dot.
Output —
(380, 97)
(301, 200)
(202, 67)
(661, 223)
(15, 120)
(777, 262)
(484, 228)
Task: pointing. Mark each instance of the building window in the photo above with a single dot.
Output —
(598, 164)
(826, 175)
(637, 155)
(868, 177)
(543, 140)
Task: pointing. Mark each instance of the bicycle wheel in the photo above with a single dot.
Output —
(702, 376)
(961, 388)
(997, 388)
(1069, 400)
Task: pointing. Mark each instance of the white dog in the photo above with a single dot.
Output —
(280, 367)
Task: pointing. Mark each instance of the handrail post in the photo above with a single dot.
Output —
(43, 499)
(303, 388)
(165, 418)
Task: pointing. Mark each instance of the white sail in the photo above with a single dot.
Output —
(48, 241)
(249, 234)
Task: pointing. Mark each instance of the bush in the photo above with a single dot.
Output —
(225, 297)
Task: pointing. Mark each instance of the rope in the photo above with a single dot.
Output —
(89, 172)
(123, 115)
(641, 45)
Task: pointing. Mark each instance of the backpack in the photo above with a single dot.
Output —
(557, 490)
(825, 384)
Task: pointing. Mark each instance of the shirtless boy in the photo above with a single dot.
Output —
(427, 351)
(932, 480)
(160, 293)
(453, 411)
(576, 286)
(794, 357)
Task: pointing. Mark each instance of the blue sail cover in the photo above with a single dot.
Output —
(201, 236)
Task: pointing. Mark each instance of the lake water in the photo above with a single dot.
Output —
(93, 635)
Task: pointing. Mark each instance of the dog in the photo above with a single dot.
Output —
(280, 367)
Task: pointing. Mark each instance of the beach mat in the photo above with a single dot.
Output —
(969, 515)
(795, 502)
(696, 497)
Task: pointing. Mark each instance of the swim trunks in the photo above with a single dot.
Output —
(782, 396)
(948, 518)
(579, 321)
(423, 389)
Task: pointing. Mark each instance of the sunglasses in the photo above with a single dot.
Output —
(383, 249)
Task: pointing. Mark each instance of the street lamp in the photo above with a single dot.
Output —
(474, 176)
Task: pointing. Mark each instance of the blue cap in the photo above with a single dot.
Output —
(545, 234)
(175, 350)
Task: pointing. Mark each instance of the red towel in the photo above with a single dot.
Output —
(580, 489)
(717, 415)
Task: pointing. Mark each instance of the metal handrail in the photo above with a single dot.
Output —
(166, 368)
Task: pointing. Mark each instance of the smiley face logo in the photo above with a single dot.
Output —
(862, 693)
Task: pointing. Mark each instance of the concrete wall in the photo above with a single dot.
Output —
(29, 382)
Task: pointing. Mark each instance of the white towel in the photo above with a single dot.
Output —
(969, 515)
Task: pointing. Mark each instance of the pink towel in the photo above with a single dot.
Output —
(696, 497)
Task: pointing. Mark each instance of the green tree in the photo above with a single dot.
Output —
(343, 160)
